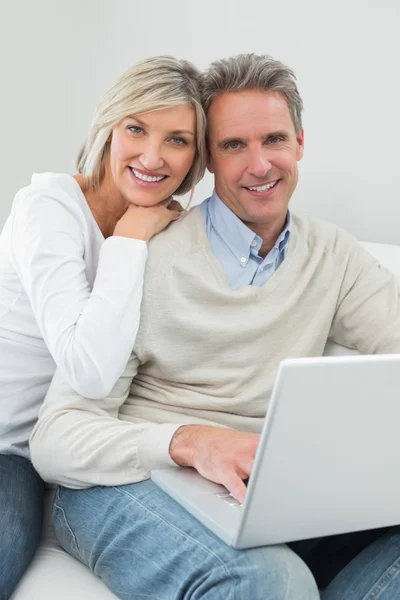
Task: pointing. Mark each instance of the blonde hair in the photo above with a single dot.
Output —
(152, 84)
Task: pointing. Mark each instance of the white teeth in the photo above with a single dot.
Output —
(263, 188)
(146, 177)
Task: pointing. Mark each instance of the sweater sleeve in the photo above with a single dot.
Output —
(79, 443)
(368, 311)
(79, 325)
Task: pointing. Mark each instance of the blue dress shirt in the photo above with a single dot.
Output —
(236, 246)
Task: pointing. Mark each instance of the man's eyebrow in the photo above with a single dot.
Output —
(279, 133)
(175, 132)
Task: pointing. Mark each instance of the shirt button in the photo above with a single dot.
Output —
(253, 243)
(243, 260)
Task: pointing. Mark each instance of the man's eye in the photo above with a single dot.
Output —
(275, 139)
(135, 129)
(179, 141)
(232, 145)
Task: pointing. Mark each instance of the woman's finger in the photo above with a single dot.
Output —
(175, 205)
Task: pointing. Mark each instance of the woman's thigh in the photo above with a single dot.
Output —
(21, 516)
(144, 545)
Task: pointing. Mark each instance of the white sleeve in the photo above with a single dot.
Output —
(79, 443)
(89, 333)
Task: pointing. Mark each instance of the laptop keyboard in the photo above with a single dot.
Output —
(230, 500)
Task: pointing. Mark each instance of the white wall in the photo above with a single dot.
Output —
(57, 58)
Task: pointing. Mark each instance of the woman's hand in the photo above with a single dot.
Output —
(143, 222)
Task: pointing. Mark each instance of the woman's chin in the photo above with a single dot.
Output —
(145, 200)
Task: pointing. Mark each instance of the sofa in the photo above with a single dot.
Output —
(53, 573)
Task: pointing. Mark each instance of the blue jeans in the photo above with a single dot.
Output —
(21, 516)
(144, 545)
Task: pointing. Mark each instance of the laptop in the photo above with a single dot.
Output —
(327, 462)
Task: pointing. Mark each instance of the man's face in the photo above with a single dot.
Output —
(254, 151)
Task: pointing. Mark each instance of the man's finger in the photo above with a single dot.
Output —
(235, 486)
(247, 467)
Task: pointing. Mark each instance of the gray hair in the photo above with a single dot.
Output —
(252, 72)
(152, 84)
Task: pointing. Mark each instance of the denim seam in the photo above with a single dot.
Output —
(382, 582)
(288, 585)
(71, 533)
(194, 541)
(137, 596)
(234, 578)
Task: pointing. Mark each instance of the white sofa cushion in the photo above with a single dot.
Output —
(55, 574)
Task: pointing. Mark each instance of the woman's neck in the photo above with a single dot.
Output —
(106, 203)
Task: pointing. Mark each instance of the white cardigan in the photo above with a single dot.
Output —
(66, 295)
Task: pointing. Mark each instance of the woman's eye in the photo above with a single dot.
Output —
(135, 129)
(179, 141)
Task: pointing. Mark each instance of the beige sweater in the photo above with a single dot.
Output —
(208, 354)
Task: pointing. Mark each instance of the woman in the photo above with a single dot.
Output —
(72, 257)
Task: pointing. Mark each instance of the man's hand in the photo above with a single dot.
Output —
(220, 455)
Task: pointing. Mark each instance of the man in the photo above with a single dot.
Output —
(234, 287)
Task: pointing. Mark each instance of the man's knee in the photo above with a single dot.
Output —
(271, 573)
(274, 573)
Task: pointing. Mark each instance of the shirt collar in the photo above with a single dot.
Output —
(235, 234)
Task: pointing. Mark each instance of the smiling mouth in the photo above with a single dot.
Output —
(262, 188)
(148, 178)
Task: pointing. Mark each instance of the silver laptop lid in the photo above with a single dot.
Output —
(328, 458)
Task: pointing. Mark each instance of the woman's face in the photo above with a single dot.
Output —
(151, 153)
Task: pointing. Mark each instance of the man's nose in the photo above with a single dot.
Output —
(259, 163)
(151, 157)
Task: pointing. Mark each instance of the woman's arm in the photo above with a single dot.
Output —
(79, 443)
(90, 333)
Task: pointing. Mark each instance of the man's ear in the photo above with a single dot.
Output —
(300, 145)
(209, 162)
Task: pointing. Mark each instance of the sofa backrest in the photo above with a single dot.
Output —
(389, 256)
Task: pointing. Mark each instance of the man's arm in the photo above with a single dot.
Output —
(368, 311)
(78, 442)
